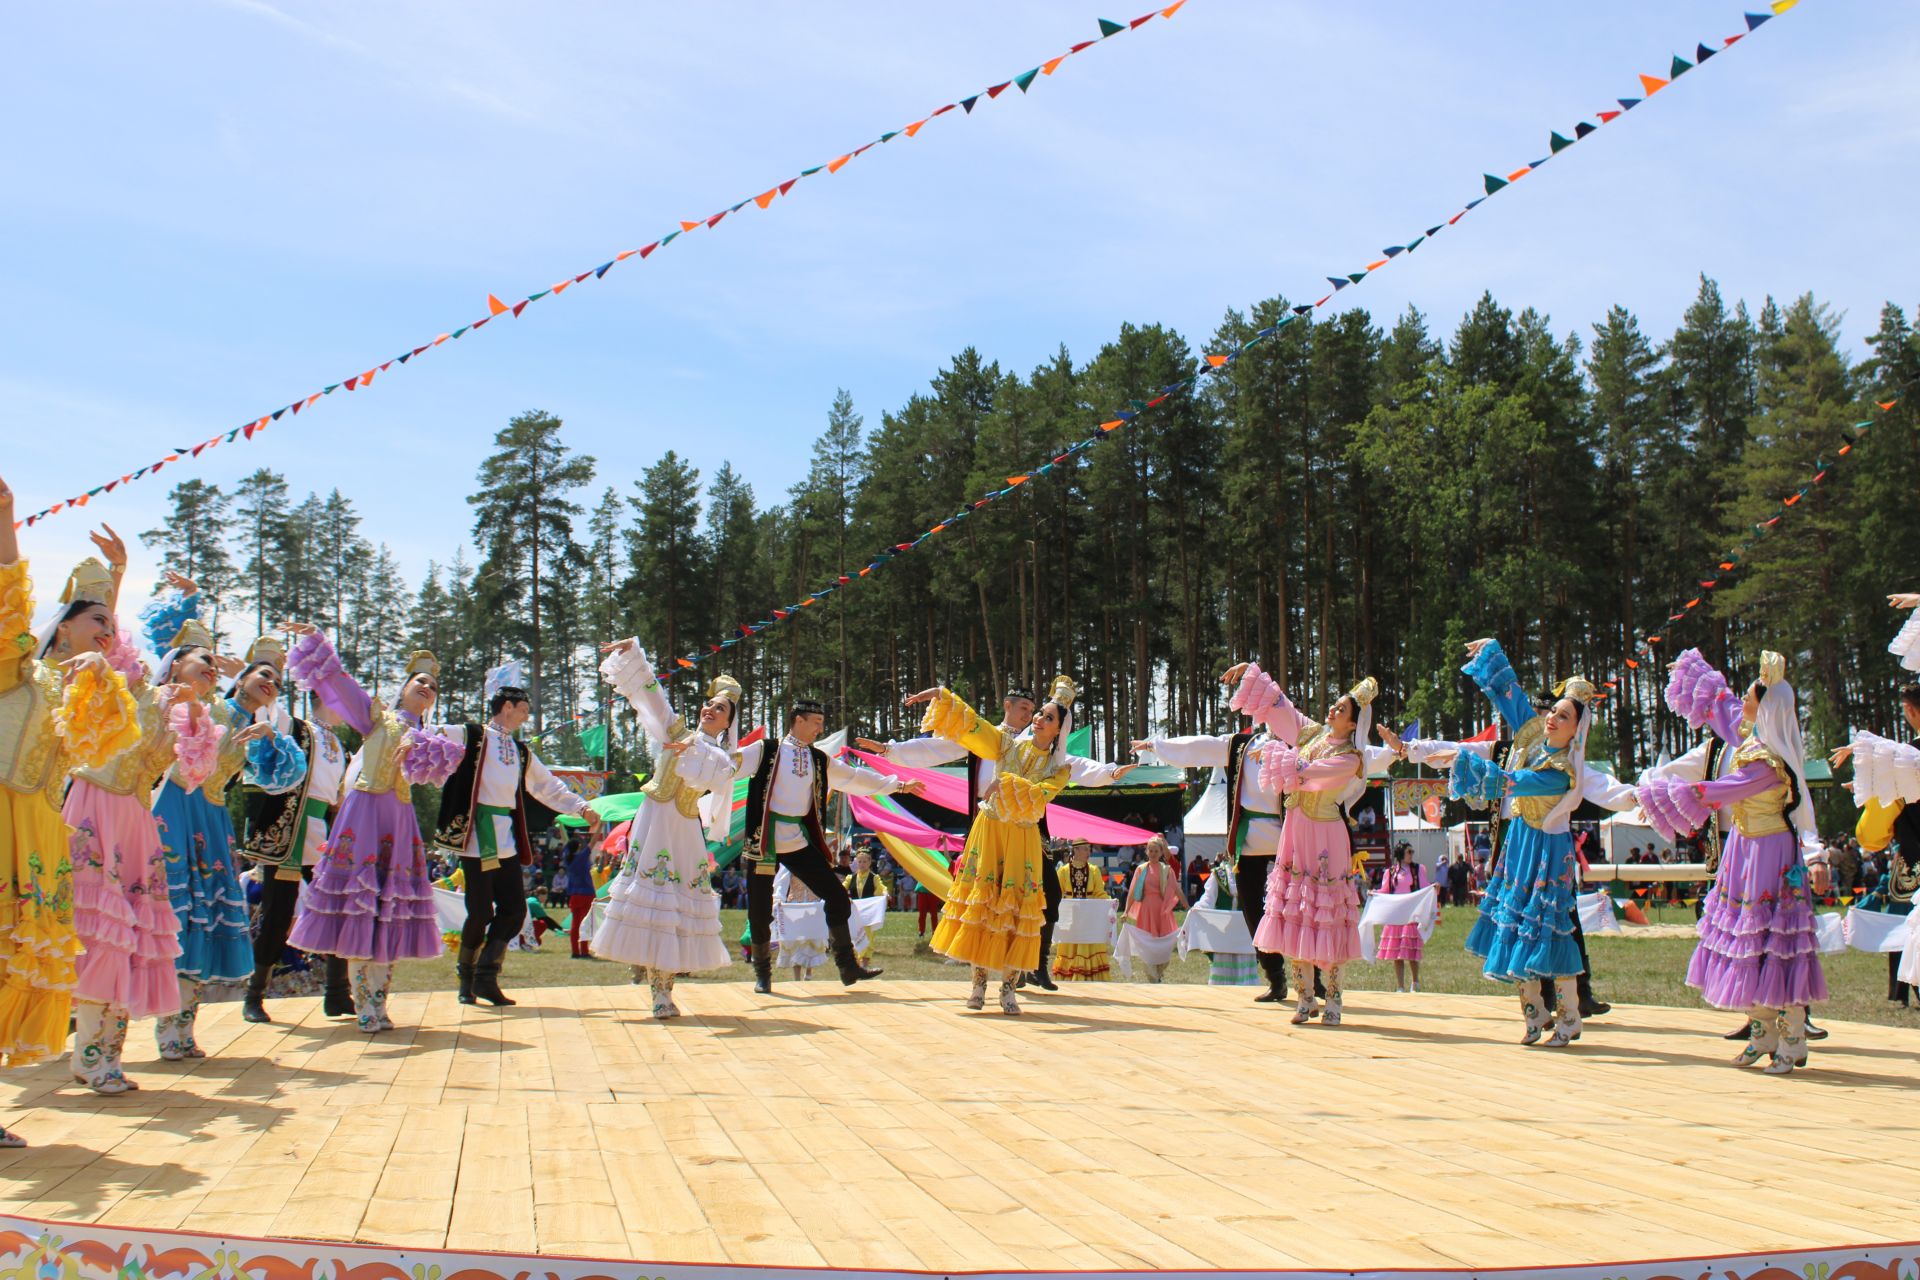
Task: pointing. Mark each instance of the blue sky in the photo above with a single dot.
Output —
(212, 207)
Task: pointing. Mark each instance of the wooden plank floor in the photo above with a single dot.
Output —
(1125, 1126)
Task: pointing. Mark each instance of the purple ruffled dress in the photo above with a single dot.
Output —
(370, 898)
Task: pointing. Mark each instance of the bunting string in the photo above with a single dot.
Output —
(1217, 363)
(496, 307)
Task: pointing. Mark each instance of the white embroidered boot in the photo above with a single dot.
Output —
(1763, 1036)
(174, 1033)
(380, 976)
(977, 998)
(1307, 1009)
(1009, 1003)
(365, 1013)
(116, 1032)
(673, 1010)
(1336, 988)
(1793, 1042)
(1566, 1013)
(1534, 1011)
(90, 1062)
(662, 1001)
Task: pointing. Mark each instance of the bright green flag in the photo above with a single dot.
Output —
(593, 741)
(1080, 741)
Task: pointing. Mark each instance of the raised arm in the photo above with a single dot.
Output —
(1256, 694)
(315, 667)
(1700, 695)
(1487, 667)
(1201, 751)
(1482, 782)
(627, 669)
(915, 753)
(856, 780)
(949, 716)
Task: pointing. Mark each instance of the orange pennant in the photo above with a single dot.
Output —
(1691, 603)
(1375, 266)
(1632, 665)
(688, 226)
(914, 128)
(1885, 405)
(1016, 480)
(1172, 9)
(436, 342)
(1216, 361)
(1652, 84)
(1520, 173)
(1791, 499)
(834, 166)
(494, 305)
(624, 254)
(562, 287)
(1052, 65)
(766, 198)
(1109, 426)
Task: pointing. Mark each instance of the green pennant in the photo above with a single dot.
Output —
(667, 239)
(1680, 67)
(1493, 183)
(1139, 406)
(1558, 143)
(1111, 28)
(535, 297)
(327, 391)
(1356, 276)
(890, 135)
(1415, 243)
(1025, 78)
(808, 173)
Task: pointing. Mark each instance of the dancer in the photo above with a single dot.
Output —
(1757, 950)
(483, 822)
(122, 912)
(1312, 914)
(289, 800)
(1081, 880)
(663, 916)
(1885, 773)
(1016, 716)
(994, 911)
(196, 832)
(1226, 969)
(1402, 943)
(1150, 931)
(59, 718)
(370, 902)
(786, 795)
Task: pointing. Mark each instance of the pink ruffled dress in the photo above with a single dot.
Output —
(1400, 941)
(1313, 908)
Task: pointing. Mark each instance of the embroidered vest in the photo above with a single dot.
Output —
(759, 832)
(134, 771)
(458, 797)
(269, 819)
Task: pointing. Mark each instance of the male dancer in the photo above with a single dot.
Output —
(483, 819)
(287, 807)
(786, 798)
(1017, 710)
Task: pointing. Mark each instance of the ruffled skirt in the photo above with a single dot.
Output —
(662, 912)
(1401, 942)
(1525, 928)
(1083, 962)
(121, 905)
(1757, 943)
(370, 898)
(196, 838)
(37, 941)
(994, 911)
(1313, 910)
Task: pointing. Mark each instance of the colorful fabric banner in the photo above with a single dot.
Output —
(496, 307)
(950, 793)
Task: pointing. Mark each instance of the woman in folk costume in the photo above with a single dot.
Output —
(1402, 943)
(195, 831)
(1524, 934)
(864, 882)
(1150, 930)
(370, 901)
(1080, 879)
(792, 950)
(1226, 969)
(1312, 915)
(1757, 951)
(122, 908)
(53, 719)
(663, 914)
(993, 912)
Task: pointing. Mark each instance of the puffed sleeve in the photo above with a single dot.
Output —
(315, 667)
(949, 717)
(97, 717)
(16, 609)
(1490, 670)
(633, 678)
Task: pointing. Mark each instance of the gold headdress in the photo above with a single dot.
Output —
(422, 662)
(1580, 689)
(1063, 691)
(726, 687)
(90, 580)
(268, 649)
(1773, 667)
(194, 632)
(1365, 692)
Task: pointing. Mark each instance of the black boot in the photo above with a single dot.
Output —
(1275, 969)
(840, 942)
(486, 975)
(338, 1001)
(1043, 976)
(762, 969)
(251, 1007)
(463, 965)
(1589, 1006)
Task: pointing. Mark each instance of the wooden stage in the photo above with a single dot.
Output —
(1174, 1127)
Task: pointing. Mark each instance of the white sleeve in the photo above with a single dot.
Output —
(1378, 761)
(1691, 767)
(1429, 750)
(1210, 896)
(1608, 793)
(925, 753)
(856, 780)
(750, 759)
(705, 764)
(1082, 772)
(1201, 752)
(632, 676)
(550, 791)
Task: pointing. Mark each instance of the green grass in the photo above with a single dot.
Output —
(1627, 969)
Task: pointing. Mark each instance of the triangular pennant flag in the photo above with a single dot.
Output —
(1415, 243)
(1338, 282)
(646, 249)
(1627, 104)
(1680, 67)
(1394, 250)
(834, 166)
(1302, 309)
(688, 226)
(1652, 84)
(1375, 266)
(1581, 130)
(931, 114)
(598, 272)
(889, 135)
(1755, 19)
(1886, 406)
(1701, 53)
(915, 127)
(1493, 185)
(1216, 361)
(1606, 117)
(1356, 276)
(1084, 44)
(966, 104)
(477, 323)
(714, 221)
(494, 305)
(734, 208)
(766, 197)
(1025, 78)
(582, 276)
(1052, 65)
(518, 307)
(1110, 28)
(1172, 9)
(668, 238)
(1556, 144)
(1472, 204)
(561, 288)
(1140, 21)
(999, 89)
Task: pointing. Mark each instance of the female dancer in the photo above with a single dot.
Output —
(1312, 915)
(1401, 943)
(1225, 969)
(59, 718)
(195, 832)
(370, 902)
(1083, 961)
(1757, 950)
(1151, 900)
(663, 915)
(993, 913)
(121, 905)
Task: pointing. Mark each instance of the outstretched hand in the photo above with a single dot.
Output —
(619, 646)
(1839, 756)
(1905, 599)
(1140, 746)
(925, 695)
(871, 747)
(253, 733)
(1393, 741)
(1124, 770)
(228, 666)
(299, 628)
(679, 746)
(1233, 673)
(1475, 646)
(180, 582)
(912, 787)
(110, 546)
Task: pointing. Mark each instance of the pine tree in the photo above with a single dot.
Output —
(194, 539)
(666, 558)
(261, 511)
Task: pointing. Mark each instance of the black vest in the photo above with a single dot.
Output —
(268, 820)
(1236, 759)
(872, 885)
(459, 795)
(759, 830)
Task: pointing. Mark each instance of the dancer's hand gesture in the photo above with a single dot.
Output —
(1475, 646)
(298, 628)
(619, 646)
(1124, 770)
(1140, 746)
(871, 747)
(180, 582)
(1392, 740)
(228, 666)
(1905, 599)
(913, 787)
(1233, 673)
(1839, 756)
(925, 695)
(111, 547)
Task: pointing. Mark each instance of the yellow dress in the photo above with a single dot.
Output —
(993, 915)
(46, 732)
(1082, 961)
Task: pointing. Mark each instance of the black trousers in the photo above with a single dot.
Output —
(1896, 989)
(811, 868)
(1050, 885)
(278, 898)
(496, 903)
(1250, 887)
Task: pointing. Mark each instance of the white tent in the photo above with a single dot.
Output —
(1622, 832)
(1205, 825)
